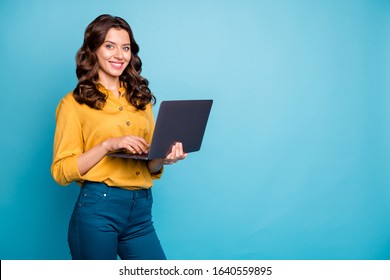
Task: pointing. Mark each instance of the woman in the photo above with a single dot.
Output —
(110, 109)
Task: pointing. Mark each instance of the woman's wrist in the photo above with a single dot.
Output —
(155, 165)
(106, 146)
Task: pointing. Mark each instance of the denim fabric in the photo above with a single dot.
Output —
(109, 221)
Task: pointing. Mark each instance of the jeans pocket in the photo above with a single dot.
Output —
(87, 198)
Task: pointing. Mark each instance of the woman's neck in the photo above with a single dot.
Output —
(111, 84)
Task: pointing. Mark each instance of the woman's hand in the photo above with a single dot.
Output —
(134, 144)
(177, 153)
(90, 158)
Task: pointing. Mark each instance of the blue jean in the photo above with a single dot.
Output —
(109, 221)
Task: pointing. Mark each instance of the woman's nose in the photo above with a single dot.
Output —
(118, 54)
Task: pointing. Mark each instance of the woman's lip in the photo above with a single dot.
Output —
(116, 65)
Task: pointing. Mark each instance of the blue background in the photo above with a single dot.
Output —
(295, 160)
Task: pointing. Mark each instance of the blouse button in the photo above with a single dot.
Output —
(128, 123)
(137, 173)
(120, 108)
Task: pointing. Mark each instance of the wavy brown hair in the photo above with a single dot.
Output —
(86, 92)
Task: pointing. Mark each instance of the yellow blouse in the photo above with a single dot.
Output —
(79, 128)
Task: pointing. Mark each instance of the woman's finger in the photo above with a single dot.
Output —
(180, 149)
(138, 144)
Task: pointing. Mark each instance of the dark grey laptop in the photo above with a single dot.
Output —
(177, 121)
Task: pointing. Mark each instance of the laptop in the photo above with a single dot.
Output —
(177, 121)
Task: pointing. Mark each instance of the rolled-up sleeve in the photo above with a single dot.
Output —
(158, 174)
(68, 145)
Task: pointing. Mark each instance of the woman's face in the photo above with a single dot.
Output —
(114, 54)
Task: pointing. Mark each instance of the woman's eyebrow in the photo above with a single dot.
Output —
(111, 42)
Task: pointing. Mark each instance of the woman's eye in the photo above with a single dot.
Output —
(108, 46)
(126, 48)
